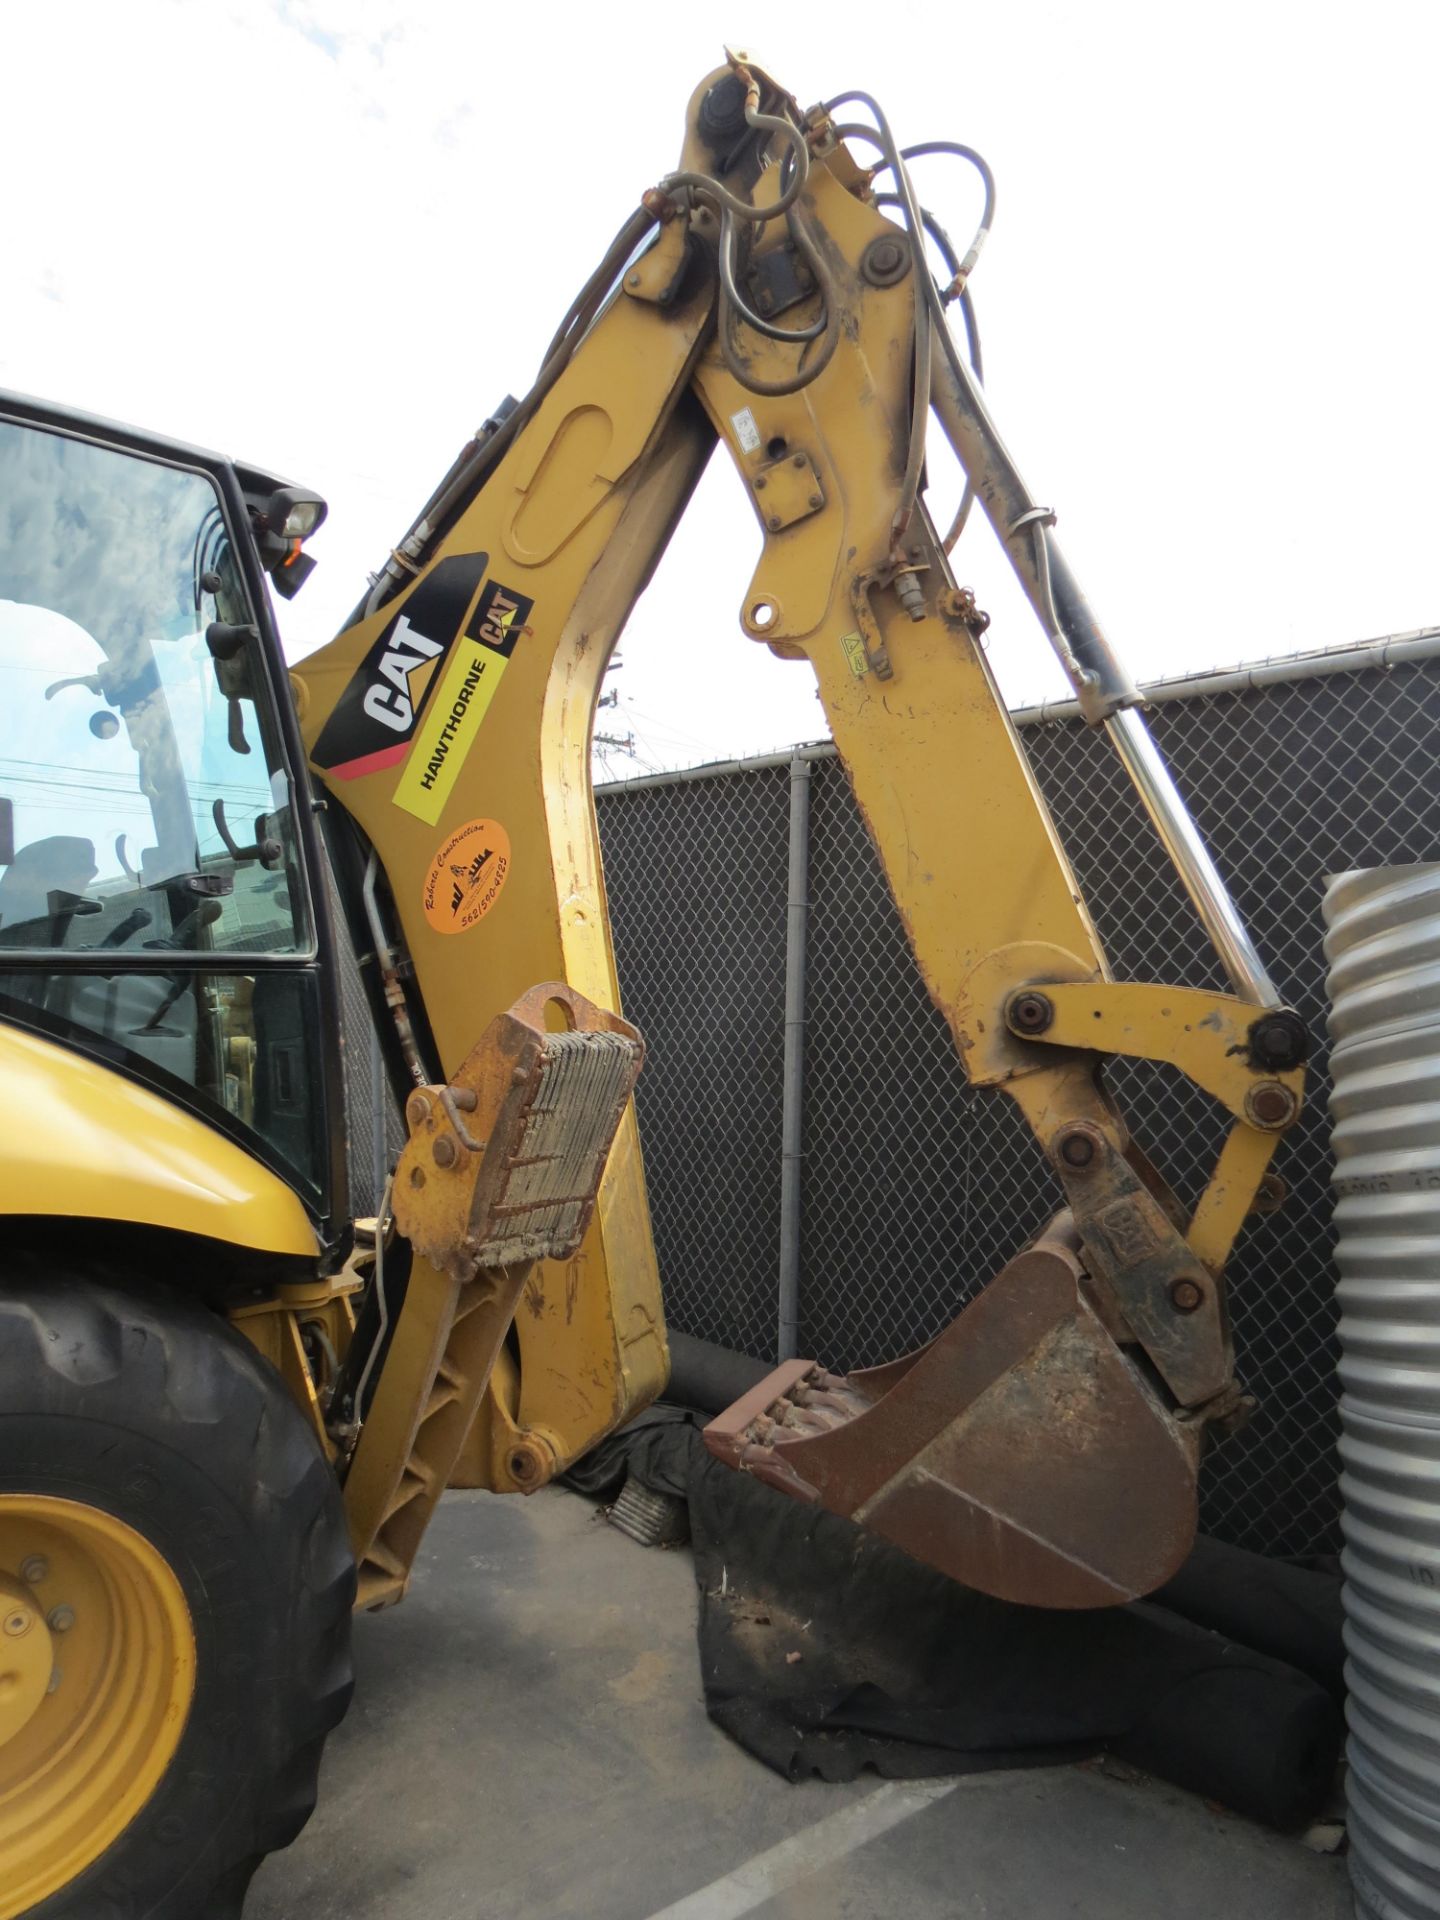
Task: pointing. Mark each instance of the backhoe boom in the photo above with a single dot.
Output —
(451, 721)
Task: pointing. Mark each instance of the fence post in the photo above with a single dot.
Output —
(793, 1097)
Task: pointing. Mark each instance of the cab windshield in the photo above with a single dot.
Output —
(136, 759)
(146, 816)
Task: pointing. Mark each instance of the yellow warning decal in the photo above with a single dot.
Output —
(451, 721)
(854, 649)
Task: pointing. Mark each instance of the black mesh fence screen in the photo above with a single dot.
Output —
(696, 879)
(915, 1190)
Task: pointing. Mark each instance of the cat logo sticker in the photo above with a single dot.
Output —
(375, 717)
(466, 876)
(452, 720)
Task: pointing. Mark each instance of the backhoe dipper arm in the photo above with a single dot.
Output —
(779, 309)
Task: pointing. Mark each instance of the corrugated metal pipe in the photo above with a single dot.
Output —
(1383, 945)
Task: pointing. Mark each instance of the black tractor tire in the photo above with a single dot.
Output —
(153, 1409)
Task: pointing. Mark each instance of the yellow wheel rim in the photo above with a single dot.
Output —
(97, 1670)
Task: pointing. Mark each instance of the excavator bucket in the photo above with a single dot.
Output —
(1022, 1452)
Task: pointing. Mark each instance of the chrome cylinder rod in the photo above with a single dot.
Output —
(1104, 689)
(1208, 893)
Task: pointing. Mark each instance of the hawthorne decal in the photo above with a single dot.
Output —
(453, 717)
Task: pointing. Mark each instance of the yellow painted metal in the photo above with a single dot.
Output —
(1064, 1091)
(1205, 1035)
(572, 521)
(787, 490)
(993, 1055)
(537, 1100)
(1055, 1093)
(78, 1141)
(947, 793)
(440, 1358)
(574, 516)
(985, 891)
(1230, 1194)
(582, 1369)
(275, 1333)
(502, 1166)
(276, 1327)
(568, 527)
(463, 1197)
(655, 275)
(483, 1459)
(25, 1657)
(76, 1771)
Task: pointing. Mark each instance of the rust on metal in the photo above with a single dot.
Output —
(1022, 1452)
(956, 607)
(1076, 1146)
(531, 1462)
(1271, 1194)
(885, 261)
(778, 279)
(503, 1162)
(792, 489)
(1136, 1253)
(1271, 1105)
(1030, 1012)
(659, 205)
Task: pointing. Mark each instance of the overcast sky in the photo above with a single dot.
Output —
(328, 235)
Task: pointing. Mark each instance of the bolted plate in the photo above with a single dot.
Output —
(788, 490)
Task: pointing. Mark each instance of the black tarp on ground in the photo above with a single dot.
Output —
(824, 1650)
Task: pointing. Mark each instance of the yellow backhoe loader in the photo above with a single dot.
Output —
(227, 1408)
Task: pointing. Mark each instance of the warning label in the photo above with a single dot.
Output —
(854, 649)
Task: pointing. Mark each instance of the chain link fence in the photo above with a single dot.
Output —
(374, 1123)
(914, 1189)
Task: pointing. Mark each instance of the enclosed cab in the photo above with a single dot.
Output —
(175, 1573)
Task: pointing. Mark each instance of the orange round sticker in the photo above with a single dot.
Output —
(466, 876)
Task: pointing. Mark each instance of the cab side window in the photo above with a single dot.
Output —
(146, 815)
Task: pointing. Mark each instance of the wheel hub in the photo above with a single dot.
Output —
(97, 1670)
(25, 1656)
